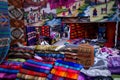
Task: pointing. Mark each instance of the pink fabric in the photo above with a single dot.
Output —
(2, 75)
(59, 3)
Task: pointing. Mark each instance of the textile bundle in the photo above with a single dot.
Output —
(65, 69)
(34, 69)
(4, 30)
(16, 14)
(9, 70)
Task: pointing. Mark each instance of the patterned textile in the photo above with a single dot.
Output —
(31, 35)
(86, 55)
(50, 54)
(45, 31)
(16, 3)
(65, 69)
(33, 73)
(45, 48)
(17, 31)
(76, 31)
(15, 13)
(4, 30)
(29, 77)
(59, 3)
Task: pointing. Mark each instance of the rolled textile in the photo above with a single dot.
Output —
(2, 70)
(39, 63)
(36, 66)
(36, 69)
(33, 73)
(29, 77)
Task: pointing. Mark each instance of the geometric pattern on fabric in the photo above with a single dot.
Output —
(16, 3)
(16, 33)
(15, 13)
(4, 30)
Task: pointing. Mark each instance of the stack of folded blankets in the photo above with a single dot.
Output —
(34, 69)
(9, 70)
(55, 55)
(20, 54)
(72, 57)
(64, 70)
(48, 52)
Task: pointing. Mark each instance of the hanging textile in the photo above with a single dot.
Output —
(59, 3)
(31, 35)
(15, 11)
(4, 30)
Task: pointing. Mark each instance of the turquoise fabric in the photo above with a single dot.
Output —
(4, 30)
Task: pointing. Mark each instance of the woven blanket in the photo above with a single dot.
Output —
(31, 35)
(16, 3)
(17, 31)
(86, 55)
(4, 30)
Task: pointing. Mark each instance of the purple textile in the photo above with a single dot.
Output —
(36, 66)
(114, 62)
(31, 35)
(114, 70)
(7, 76)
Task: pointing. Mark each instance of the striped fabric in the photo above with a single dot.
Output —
(4, 30)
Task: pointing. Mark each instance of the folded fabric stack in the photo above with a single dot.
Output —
(72, 57)
(20, 54)
(34, 70)
(64, 70)
(45, 48)
(9, 70)
(50, 54)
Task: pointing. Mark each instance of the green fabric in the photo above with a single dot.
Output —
(17, 59)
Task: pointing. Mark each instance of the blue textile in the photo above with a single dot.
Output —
(4, 30)
(2, 70)
(39, 63)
